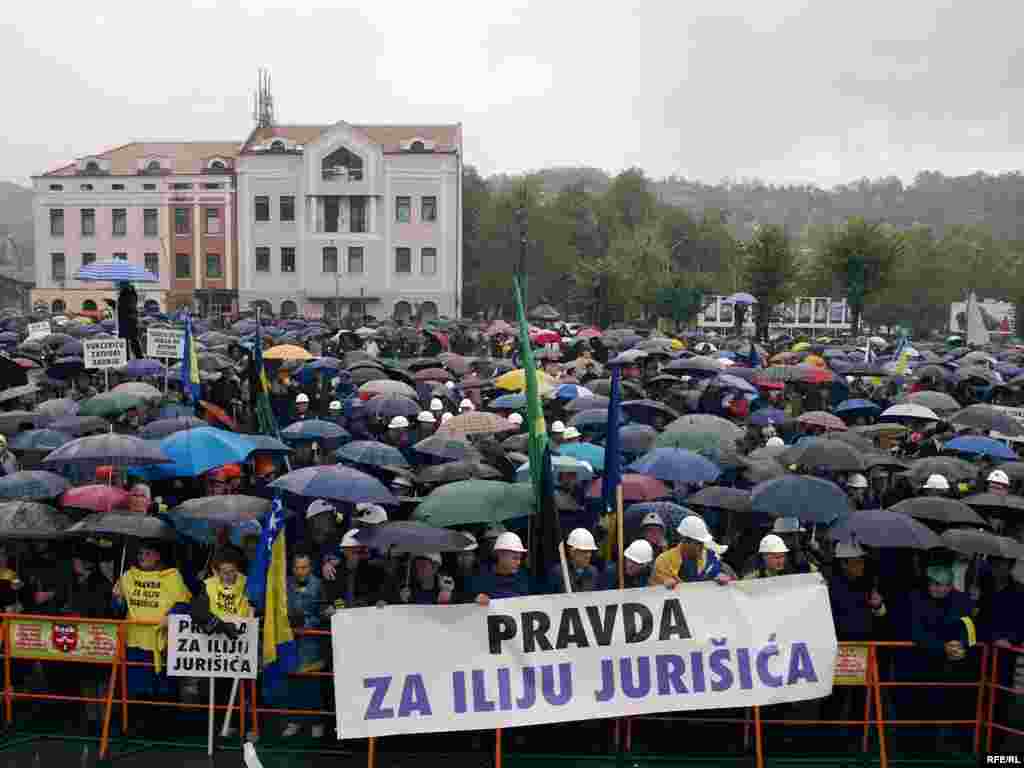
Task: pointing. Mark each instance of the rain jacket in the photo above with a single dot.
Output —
(670, 564)
(497, 586)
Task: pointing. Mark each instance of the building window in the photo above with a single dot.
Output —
(56, 187)
(58, 272)
(357, 214)
(217, 165)
(88, 305)
(182, 221)
(117, 187)
(262, 208)
(403, 260)
(88, 258)
(287, 208)
(88, 222)
(262, 259)
(213, 221)
(428, 208)
(153, 166)
(150, 222)
(428, 261)
(287, 260)
(85, 188)
(56, 222)
(341, 165)
(149, 187)
(213, 265)
(183, 266)
(332, 214)
(58, 306)
(289, 308)
(277, 146)
(92, 167)
(330, 259)
(212, 185)
(181, 186)
(119, 221)
(153, 264)
(403, 209)
(355, 260)
(120, 256)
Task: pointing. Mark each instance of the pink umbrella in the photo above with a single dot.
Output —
(635, 487)
(823, 419)
(98, 498)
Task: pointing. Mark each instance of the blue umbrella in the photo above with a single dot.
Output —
(728, 381)
(32, 485)
(267, 444)
(857, 408)
(313, 429)
(79, 425)
(8, 337)
(766, 416)
(124, 450)
(676, 465)
(115, 271)
(588, 452)
(981, 446)
(334, 483)
(59, 408)
(196, 451)
(801, 496)
(161, 428)
(39, 440)
(411, 537)
(386, 407)
(371, 453)
(509, 402)
(884, 528)
(570, 392)
(637, 439)
(742, 298)
(71, 349)
(65, 368)
(174, 410)
(139, 368)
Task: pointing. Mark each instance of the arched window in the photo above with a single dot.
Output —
(417, 146)
(403, 311)
(218, 165)
(92, 167)
(341, 162)
(263, 306)
(289, 308)
(88, 305)
(277, 146)
(428, 310)
(57, 307)
(153, 166)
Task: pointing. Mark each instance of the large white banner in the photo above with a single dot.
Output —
(526, 661)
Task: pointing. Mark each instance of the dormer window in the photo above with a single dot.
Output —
(417, 145)
(342, 165)
(92, 167)
(277, 146)
(218, 165)
(153, 166)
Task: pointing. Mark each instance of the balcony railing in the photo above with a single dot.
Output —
(341, 173)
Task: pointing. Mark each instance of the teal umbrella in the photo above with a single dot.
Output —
(476, 501)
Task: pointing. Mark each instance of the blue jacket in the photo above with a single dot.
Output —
(611, 578)
(583, 579)
(487, 582)
(851, 613)
(304, 604)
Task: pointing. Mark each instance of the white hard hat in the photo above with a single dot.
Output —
(571, 433)
(334, 406)
(371, 514)
(466, 405)
(349, 539)
(581, 538)
(302, 397)
(775, 442)
(509, 542)
(399, 422)
(436, 404)
(640, 552)
(652, 518)
(472, 542)
(516, 419)
(772, 545)
(557, 428)
(998, 476)
(857, 480)
(787, 525)
(318, 506)
(446, 417)
(449, 385)
(845, 551)
(694, 527)
(494, 531)
(434, 557)
(936, 483)
(426, 417)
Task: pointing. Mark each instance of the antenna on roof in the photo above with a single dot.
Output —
(263, 101)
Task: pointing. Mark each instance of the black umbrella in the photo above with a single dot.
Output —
(124, 450)
(587, 403)
(410, 537)
(637, 438)
(982, 543)
(827, 454)
(515, 443)
(458, 470)
(31, 520)
(13, 393)
(760, 470)
(57, 409)
(988, 418)
(645, 410)
(124, 524)
(885, 461)
(995, 504)
(12, 422)
(387, 407)
(721, 497)
(951, 468)
(80, 425)
(32, 484)
(859, 442)
(885, 528)
(11, 374)
(224, 509)
(939, 510)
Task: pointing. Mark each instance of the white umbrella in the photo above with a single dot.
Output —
(582, 469)
(877, 340)
(910, 411)
(364, 331)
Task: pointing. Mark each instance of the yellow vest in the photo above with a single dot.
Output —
(228, 601)
(150, 595)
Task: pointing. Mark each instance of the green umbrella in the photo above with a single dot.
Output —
(111, 404)
(476, 501)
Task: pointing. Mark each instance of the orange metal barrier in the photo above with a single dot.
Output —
(1010, 655)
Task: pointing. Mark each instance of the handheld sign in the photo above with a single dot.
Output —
(39, 330)
(191, 653)
(165, 343)
(105, 353)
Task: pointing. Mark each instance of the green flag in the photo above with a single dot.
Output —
(534, 412)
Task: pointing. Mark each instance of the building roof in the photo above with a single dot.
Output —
(446, 138)
(186, 157)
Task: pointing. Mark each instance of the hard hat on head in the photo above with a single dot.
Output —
(472, 546)
(694, 528)
(509, 542)
(1000, 477)
(857, 480)
(571, 433)
(516, 419)
(446, 417)
(653, 518)
(640, 552)
(466, 405)
(317, 507)
(582, 539)
(436, 404)
(399, 422)
(335, 405)
(302, 397)
(775, 442)
(936, 483)
(557, 427)
(848, 550)
(371, 514)
(772, 545)
(349, 540)
(426, 417)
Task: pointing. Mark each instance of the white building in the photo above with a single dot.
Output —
(364, 218)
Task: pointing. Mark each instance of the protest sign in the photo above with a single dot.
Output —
(165, 343)
(105, 353)
(63, 640)
(852, 665)
(192, 653)
(532, 660)
(39, 330)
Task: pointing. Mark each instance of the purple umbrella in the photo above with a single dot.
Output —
(766, 416)
(144, 367)
(124, 450)
(742, 298)
(407, 536)
(335, 483)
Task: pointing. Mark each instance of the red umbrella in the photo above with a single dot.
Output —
(824, 420)
(545, 337)
(763, 384)
(588, 333)
(98, 498)
(24, 362)
(433, 374)
(214, 414)
(634, 488)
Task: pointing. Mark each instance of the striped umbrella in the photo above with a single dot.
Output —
(115, 272)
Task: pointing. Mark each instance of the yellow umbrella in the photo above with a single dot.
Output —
(287, 352)
(800, 347)
(677, 345)
(515, 381)
(82, 320)
(816, 361)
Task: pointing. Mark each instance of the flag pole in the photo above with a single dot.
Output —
(621, 535)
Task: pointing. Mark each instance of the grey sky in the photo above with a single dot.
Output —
(783, 90)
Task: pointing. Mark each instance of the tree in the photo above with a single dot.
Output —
(682, 298)
(860, 257)
(770, 271)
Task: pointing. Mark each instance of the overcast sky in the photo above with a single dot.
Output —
(816, 91)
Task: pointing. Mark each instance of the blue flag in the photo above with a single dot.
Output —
(612, 451)
(189, 366)
(755, 358)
